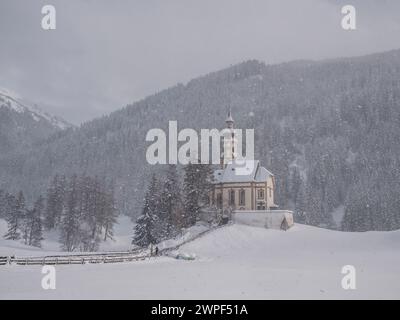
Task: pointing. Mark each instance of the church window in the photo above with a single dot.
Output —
(242, 197)
(219, 200)
(232, 197)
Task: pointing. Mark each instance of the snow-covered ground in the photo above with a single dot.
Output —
(233, 262)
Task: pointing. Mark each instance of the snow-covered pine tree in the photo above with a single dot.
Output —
(98, 211)
(110, 212)
(170, 212)
(196, 187)
(297, 192)
(372, 203)
(89, 200)
(314, 213)
(295, 182)
(55, 201)
(14, 215)
(70, 224)
(51, 204)
(191, 197)
(2, 203)
(300, 205)
(146, 228)
(11, 218)
(36, 231)
(25, 225)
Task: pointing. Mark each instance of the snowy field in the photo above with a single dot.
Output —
(234, 262)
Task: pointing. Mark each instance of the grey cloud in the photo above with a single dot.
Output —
(105, 54)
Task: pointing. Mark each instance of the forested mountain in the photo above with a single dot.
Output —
(22, 125)
(328, 130)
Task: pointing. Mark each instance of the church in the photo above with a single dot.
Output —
(244, 184)
(243, 190)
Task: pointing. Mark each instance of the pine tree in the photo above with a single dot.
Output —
(315, 210)
(11, 217)
(25, 225)
(97, 210)
(55, 202)
(89, 200)
(36, 231)
(295, 183)
(110, 213)
(300, 205)
(70, 225)
(14, 215)
(51, 203)
(196, 187)
(146, 228)
(170, 209)
(3, 201)
(191, 195)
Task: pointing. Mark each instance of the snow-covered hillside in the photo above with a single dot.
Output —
(22, 127)
(14, 102)
(233, 262)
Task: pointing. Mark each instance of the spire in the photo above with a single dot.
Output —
(230, 142)
(229, 120)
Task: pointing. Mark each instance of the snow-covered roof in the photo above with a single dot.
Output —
(229, 119)
(242, 171)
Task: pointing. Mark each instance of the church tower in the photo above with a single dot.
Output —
(229, 141)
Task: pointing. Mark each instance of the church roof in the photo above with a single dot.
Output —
(242, 171)
(229, 118)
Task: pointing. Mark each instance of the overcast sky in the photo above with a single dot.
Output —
(105, 54)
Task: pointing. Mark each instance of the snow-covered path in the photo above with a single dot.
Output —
(239, 262)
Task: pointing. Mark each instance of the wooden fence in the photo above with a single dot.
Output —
(106, 257)
(3, 261)
(75, 259)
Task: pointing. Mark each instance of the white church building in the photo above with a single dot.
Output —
(246, 188)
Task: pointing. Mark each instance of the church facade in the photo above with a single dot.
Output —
(241, 185)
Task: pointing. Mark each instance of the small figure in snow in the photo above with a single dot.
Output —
(156, 251)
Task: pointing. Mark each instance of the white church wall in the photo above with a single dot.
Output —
(264, 218)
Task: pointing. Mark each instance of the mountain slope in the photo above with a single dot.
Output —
(328, 130)
(22, 125)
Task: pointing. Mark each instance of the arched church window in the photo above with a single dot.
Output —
(219, 200)
(242, 197)
(232, 197)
